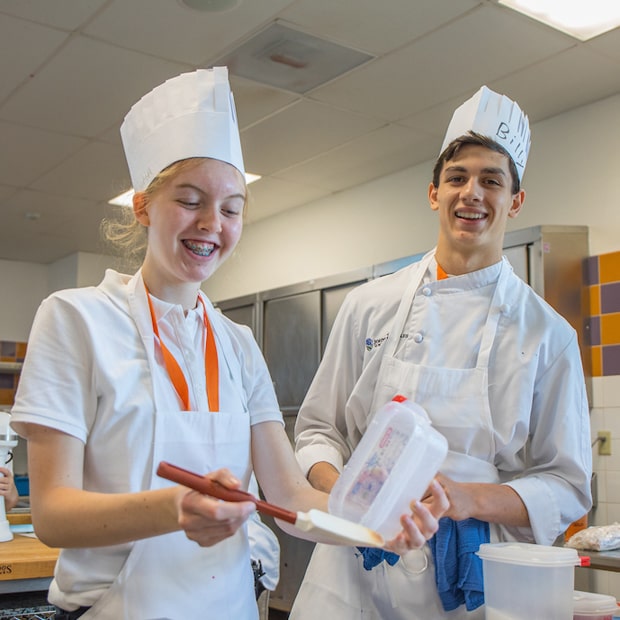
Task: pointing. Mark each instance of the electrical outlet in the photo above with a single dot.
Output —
(604, 443)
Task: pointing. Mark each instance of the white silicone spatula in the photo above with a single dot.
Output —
(331, 528)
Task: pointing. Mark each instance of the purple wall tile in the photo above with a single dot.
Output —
(592, 332)
(610, 297)
(8, 348)
(6, 381)
(590, 270)
(611, 360)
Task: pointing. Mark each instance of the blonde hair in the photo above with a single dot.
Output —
(125, 234)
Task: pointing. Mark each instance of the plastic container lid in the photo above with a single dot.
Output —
(528, 554)
(589, 604)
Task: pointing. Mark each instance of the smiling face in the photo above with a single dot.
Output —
(474, 201)
(194, 220)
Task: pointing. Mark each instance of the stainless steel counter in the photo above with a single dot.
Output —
(603, 560)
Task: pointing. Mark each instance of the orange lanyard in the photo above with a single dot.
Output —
(441, 274)
(174, 370)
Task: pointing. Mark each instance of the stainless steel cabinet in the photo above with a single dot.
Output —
(291, 325)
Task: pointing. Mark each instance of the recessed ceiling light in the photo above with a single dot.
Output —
(126, 198)
(582, 20)
(213, 6)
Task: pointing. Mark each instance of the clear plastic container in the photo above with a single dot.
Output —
(523, 581)
(590, 606)
(393, 464)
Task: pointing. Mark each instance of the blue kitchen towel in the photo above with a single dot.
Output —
(458, 570)
(373, 556)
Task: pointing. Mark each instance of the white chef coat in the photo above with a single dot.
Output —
(539, 433)
(537, 394)
(91, 371)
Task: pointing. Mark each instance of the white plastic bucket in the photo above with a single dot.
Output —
(590, 606)
(528, 582)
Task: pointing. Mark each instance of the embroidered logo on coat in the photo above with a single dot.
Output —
(373, 343)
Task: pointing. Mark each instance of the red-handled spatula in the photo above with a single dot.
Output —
(331, 528)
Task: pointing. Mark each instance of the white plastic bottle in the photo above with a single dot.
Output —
(393, 464)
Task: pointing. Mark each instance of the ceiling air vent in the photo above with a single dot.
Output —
(289, 59)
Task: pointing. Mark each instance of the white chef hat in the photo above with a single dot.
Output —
(494, 116)
(191, 115)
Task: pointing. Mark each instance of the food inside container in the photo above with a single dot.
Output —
(589, 606)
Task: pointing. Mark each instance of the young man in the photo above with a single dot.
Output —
(496, 368)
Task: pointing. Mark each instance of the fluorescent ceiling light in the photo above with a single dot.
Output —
(123, 200)
(126, 198)
(250, 178)
(582, 20)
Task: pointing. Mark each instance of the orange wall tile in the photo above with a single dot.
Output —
(597, 361)
(610, 328)
(609, 267)
(595, 300)
(6, 396)
(20, 350)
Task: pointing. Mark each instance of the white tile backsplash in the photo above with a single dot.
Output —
(605, 415)
(611, 391)
(614, 585)
(597, 391)
(611, 421)
(613, 513)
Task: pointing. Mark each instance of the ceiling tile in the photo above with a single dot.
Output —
(607, 44)
(6, 191)
(599, 78)
(81, 175)
(444, 64)
(87, 87)
(385, 27)
(24, 47)
(299, 132)
(178, 33)
(63, 14)
(436, 118)
(373, 155)
(25, 153)
(255, 102)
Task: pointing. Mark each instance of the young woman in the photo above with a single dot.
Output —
(148, 371)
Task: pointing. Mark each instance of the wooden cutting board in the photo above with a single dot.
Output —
(26, 558)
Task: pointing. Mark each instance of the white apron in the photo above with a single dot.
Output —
(170, 576)
(336, 583)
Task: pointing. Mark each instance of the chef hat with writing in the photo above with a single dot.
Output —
(191, 115)
(497, 117)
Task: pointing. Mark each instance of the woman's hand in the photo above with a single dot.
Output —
(207, 520)
(423, 521)
(8, 490)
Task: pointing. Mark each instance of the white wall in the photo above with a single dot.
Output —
(22, 286)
